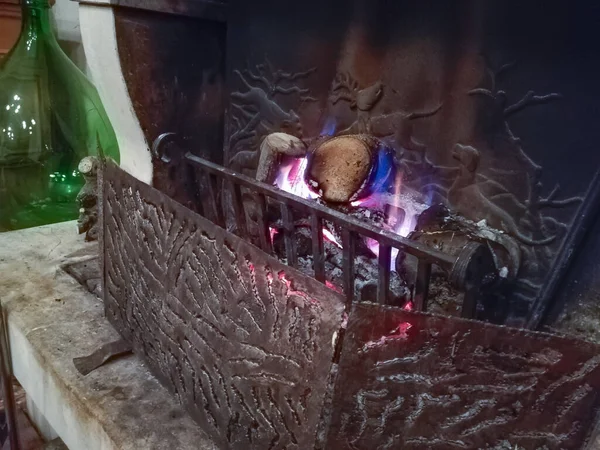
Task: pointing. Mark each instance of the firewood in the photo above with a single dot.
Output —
(340, 166)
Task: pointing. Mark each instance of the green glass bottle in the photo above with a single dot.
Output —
(51, 117)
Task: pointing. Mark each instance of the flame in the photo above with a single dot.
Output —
(402, 208)
(329, 127)
(385, 171)
(394, 212)
(328, 236)
(291, 178)
(401, 217)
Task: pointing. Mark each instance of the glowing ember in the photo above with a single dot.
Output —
(291, 178)
(273, 232)
(328, 236)
(333, 287)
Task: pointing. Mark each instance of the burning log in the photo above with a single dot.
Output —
(356, 175)
(339, 167)
(272, 149)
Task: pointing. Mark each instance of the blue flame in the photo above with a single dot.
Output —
(329, 127)
(385, 173)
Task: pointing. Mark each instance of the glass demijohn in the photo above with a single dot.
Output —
(50, 118)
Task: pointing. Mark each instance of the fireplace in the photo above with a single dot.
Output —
(484, 122)
(354, 243)
(375, 173)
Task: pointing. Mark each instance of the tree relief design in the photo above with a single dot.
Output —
(257, 111)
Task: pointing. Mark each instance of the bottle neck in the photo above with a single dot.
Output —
(36, 17)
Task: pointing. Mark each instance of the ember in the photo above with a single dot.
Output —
(409, 306)
(272, 233)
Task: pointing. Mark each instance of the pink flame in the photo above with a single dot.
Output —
(291, 178)
(328, 236)
(402, 215)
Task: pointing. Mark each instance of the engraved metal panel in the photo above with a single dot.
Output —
(245, 342)
(414, 381)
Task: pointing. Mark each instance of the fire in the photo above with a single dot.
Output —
(291, 178)
(328, 236)
(402, 208)
(402, 214)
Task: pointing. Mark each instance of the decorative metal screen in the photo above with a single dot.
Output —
(416, 381)
(245, 342)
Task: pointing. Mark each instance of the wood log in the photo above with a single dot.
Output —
(340, 166)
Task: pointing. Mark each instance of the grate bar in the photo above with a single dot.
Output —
(316, 227)
(383, 283)
(263, 227)
(212, 190)
(238, 208)
(359, 227)
(348, 244)
(288, 235)
(422, 285)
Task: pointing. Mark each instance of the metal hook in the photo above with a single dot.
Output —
(156, 146)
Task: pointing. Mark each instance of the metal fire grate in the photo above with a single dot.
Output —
(264, 356)
(466, 270)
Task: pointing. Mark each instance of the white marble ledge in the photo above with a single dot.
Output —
(51, 320)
